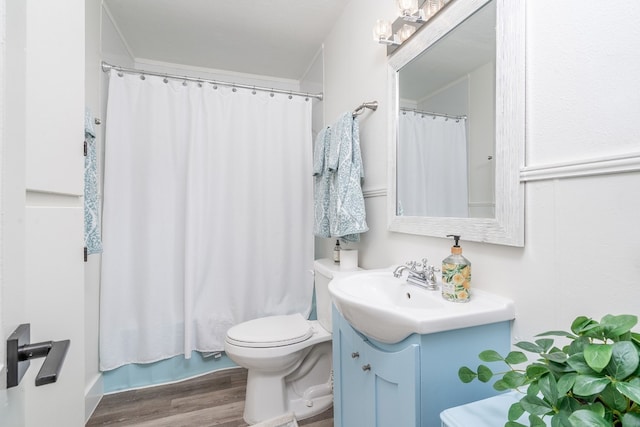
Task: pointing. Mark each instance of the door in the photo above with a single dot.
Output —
(41, 186)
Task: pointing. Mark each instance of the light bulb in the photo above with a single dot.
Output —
(407, 7)
(405, 32)
(431, 8)
(382, 30)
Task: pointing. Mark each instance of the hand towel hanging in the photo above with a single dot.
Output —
(347, 216)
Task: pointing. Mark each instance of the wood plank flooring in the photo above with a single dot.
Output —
(215, 399)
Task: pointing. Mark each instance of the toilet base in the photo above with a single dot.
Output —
(259, 407)
(320, 404)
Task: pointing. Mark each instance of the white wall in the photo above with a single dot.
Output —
(582, 247)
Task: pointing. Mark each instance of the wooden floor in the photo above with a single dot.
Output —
(215, 399)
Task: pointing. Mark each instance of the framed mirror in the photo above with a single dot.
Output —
(456, 142)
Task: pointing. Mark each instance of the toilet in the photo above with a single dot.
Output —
(288, 358)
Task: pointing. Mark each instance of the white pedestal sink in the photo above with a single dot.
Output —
(388, 309)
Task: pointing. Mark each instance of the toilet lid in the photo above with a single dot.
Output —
(272, 331)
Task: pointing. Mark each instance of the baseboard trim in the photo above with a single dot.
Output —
(92, 395)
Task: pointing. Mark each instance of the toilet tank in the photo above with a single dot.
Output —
(324, 270)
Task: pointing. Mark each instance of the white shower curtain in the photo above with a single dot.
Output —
(432, 166)
(207, 215)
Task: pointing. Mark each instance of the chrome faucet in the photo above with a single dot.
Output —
(420, 274)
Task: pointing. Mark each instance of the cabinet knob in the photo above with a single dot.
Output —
(355, 355)
(366, 367)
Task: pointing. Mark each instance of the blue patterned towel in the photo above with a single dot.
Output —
(92, 238)
(322, 177)
(347, 217)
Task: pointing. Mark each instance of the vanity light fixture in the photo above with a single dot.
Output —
(409, 11)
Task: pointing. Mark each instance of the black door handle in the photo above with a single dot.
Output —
(20, 351)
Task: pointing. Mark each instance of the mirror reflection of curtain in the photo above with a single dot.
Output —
(432, 166)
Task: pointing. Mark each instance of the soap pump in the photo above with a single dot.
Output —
(336, 252)
(456, 274)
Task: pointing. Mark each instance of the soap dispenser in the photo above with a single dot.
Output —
(336, 252)
(456, 274)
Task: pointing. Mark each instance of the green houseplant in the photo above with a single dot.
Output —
(592, 381)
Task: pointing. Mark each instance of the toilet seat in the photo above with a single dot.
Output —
(272, 331)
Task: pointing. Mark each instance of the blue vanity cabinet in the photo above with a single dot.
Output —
(408, 383)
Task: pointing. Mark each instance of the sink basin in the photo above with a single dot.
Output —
(388, 309)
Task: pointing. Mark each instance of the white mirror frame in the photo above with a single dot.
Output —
(507, 228)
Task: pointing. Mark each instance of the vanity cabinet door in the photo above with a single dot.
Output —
(395, 381)
(353, 394)
(374, 387)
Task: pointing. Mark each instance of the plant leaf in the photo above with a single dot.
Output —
(545, 343)
(516, 357)
(557, 334)
(587, 418)
(631, 419)
(535, 370)
(624, 360)
(614, 326)
(597, 356)
(580, 323)
(514, 379)
(466, 375)
(561, 419)
(613, 398)
(536, 421)
(565, 383)
(515, 411)
(579, 365)
(534, 405)
(588, 385)
(569, 404)
(578, 345)
(530, 347)
(490, 356)
(514, 424)
(500, 385)
(549, 388)
(484, 373)
(556, 356)
(630, 390)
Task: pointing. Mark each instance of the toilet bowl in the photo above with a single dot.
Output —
(288, 358)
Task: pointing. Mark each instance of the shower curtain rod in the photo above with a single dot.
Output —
(430, 113)
(106, 67)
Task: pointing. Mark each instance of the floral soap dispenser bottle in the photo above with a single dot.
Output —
(456, 275)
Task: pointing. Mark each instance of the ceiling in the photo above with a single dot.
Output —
(277, 38)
